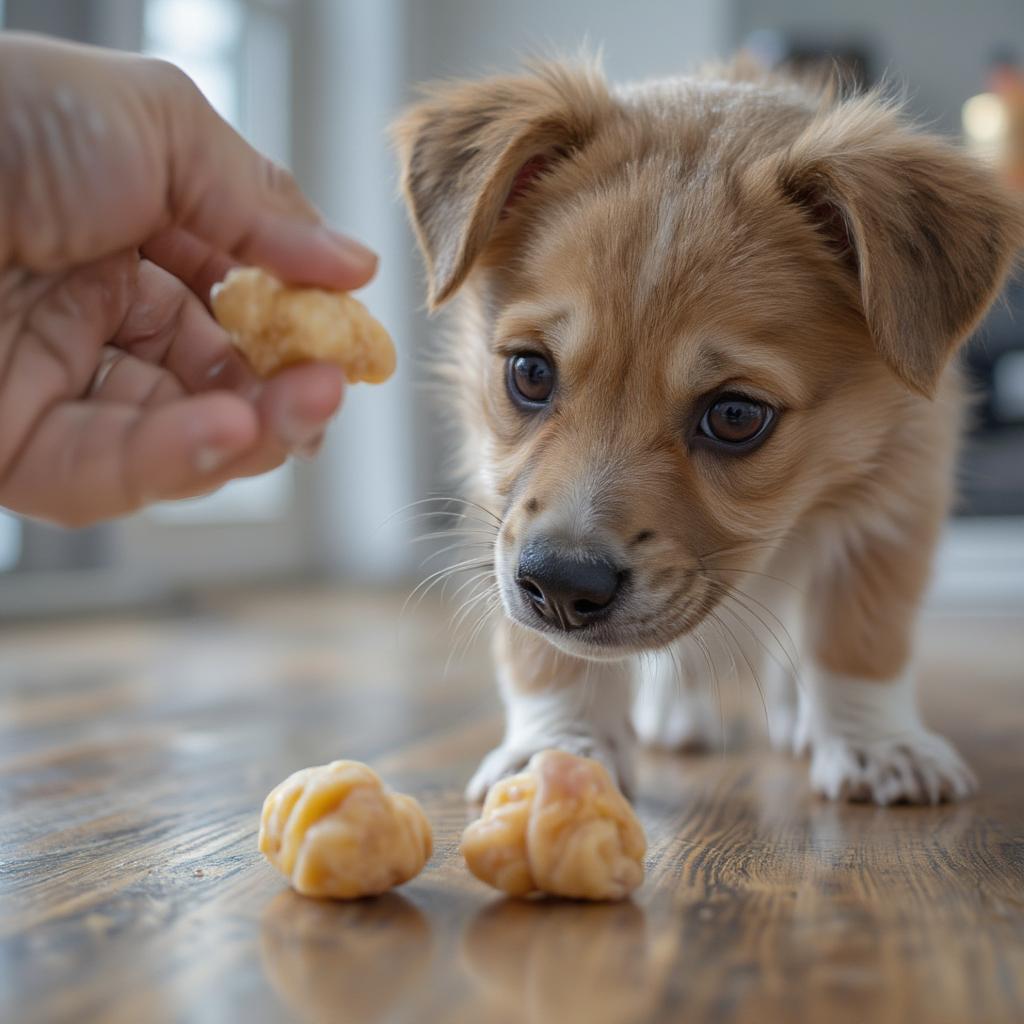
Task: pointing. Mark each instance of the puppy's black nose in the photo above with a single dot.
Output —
(570, 591)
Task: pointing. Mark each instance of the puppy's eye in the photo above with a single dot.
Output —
(736, 422)
(531, 380)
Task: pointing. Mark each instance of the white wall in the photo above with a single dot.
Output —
(639, 39)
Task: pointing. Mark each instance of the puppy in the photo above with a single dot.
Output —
(704, 343)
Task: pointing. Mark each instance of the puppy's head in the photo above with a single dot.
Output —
(699, 311)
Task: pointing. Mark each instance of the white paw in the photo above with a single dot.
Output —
(616, 754)
(918, 768)
(669, 714)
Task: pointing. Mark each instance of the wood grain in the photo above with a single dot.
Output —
(135, 754)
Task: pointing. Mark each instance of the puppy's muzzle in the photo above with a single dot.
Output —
(569, 590)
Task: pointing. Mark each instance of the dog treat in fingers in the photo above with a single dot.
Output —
(275, 325)
(338, 831)
(561, 827)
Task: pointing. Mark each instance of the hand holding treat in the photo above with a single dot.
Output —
(119, 388)
(276, 326)
(561, 827)
(337, 831)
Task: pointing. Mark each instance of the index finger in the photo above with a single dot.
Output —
(241, 204)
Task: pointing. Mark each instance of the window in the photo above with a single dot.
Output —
(203, 37)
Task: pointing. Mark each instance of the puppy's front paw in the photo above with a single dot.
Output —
(918, 768)
(511, 757)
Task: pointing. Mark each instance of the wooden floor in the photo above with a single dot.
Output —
(134, 756)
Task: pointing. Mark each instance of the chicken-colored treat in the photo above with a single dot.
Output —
(275, 325)
(561, 827)
(337, 831)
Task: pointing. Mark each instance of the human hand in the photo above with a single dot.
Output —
(123, 198)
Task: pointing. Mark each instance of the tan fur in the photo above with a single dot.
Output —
(687, 236)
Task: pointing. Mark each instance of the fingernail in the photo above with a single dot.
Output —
(299, 439)
(353, 251)
(209, 458)
(217, 369)
(309, 451)
(226, 373)
(297, 432)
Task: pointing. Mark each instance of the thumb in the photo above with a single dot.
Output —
(230, 196)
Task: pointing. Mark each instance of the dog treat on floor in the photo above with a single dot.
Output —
(561, 827)
(337, 831)
(275, 326)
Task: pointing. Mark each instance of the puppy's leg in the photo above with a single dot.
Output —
(554, 700)
(675, 706)
(858, 712)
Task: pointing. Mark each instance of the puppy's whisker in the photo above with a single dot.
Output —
(726, 640)
(750, 668)
(583, 700)
(485, 590)
(479, 600)
(439, 576)
(444, 499)
(759, 575)
(454, 532)
(741, 597)
(473, 582)
(713, 672)
(553, 682)
(492, 516)
(480, 596)
(790, 666)
(469, 504)
(465, 545)
(680, 677)
(473, 579)
(492, 607)
(449, 513)
(771, 543)
(450, 570)
(742, 545)
(467, 606)
(463, 648)
(460, 524)
(456, 518)
(460, 546)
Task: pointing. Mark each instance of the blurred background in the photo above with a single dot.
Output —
(314, 83)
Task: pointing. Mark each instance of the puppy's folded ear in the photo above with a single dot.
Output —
(470, 150)
(929, 231)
